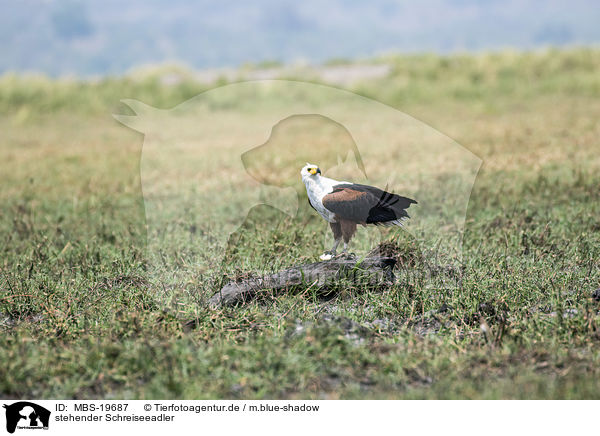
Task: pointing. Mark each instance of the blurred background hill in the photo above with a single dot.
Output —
(89, 38)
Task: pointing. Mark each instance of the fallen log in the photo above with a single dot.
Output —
(374, 270)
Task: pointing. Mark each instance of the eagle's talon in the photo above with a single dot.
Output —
(328, 255)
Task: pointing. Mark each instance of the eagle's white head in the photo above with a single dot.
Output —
(310, 170)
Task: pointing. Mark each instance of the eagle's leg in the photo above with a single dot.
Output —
(337, 236)
(348, 230)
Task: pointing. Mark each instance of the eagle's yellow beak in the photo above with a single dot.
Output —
(313, 171)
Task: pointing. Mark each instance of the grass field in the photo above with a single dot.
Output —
(81, 319)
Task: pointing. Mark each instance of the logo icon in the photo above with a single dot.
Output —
(26, 415)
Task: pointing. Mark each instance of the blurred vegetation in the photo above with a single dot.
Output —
(492, 78)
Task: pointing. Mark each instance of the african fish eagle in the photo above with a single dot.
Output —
(346, 204)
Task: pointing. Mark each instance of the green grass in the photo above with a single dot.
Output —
(80, 317)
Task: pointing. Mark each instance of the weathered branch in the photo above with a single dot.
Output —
(371, 271)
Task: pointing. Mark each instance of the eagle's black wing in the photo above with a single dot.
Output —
(366, 204)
